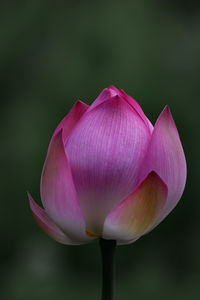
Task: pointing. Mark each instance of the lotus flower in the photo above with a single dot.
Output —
(109, 173)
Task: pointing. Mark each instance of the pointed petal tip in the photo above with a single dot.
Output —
(113, 88)
(80, 103)
(104, 96)
(113, 91)
(70, 120)
(154, 177)
(166, 112)
(29, 197)
(35, 208)
(167, 119)
(31, 201)
(47, 224)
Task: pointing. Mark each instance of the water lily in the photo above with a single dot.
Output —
(109, 173)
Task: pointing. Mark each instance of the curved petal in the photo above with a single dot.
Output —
(137, 213)
(105, 95)
(137, 107)
(47, 225)
(71, 119)
(112, 91)
(58, 192)
(105, 152)
(166, 157)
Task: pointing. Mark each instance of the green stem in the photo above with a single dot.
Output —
(107, 254)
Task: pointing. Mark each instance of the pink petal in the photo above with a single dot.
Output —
(105, 152)
(137, 107)
(71, 119)
(47, 225)
(166, 157)
(58, 192)
(112, 91)
(137, 213)
(105, 95)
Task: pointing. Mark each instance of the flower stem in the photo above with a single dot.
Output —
(107, 254)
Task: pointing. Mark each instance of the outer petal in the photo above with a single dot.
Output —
(71, 119)
(48, 226)
(137, 213)
(166, 157)
(58, 192)
(105, 153)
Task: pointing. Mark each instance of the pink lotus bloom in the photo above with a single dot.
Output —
(109, 173)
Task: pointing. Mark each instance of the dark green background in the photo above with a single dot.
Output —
(53, 53)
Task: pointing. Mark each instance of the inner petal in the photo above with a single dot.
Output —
(105, 152)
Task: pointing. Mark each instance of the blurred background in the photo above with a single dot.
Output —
(53, 53)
